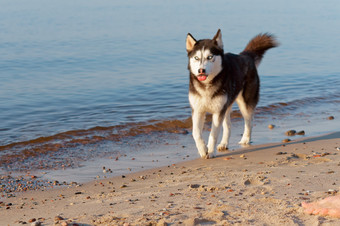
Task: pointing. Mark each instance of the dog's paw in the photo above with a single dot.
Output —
(245, 140)
(203, 151)
(203, 156)
(222, 147)
(210, 155)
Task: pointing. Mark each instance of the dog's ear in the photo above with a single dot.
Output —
(218, 38)
(190, 42)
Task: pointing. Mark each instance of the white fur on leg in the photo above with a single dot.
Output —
(247, 131)
(226, 131)
(247, 113)
(197, 127)
(215, 130)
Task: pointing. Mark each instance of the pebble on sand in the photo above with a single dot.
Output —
(286, 140)
(228, 158)
(290, 133)
(32, 220)
(58, 218)
(301, 133)
(36, 223)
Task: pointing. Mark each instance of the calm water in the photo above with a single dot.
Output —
(75, 65)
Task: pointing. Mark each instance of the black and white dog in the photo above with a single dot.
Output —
(217, 80)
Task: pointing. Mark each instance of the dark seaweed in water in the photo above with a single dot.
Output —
(70, 148)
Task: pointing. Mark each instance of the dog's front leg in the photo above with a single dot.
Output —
(215, 130)
(226, 131)
(197, 128)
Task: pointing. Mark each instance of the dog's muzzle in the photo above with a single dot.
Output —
(201, 74)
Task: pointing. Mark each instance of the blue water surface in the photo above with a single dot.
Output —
(70, 65)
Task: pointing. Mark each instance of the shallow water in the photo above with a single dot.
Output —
(88, 72)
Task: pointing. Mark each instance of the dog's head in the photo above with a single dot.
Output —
(205, 56)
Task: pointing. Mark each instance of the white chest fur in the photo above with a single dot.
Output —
(205, 103)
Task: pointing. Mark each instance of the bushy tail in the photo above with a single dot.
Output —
(259, 45)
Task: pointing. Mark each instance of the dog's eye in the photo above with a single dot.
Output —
(196, 58)
(210, 57)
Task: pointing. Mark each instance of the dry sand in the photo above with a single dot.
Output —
(257, 185)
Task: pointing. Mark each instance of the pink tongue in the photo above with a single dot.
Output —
(202, 77)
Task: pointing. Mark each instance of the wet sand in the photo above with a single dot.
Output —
(257, 185)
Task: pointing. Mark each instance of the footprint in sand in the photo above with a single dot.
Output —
(258, 180)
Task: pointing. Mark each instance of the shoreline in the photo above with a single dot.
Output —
(84, 162)
(254, 185)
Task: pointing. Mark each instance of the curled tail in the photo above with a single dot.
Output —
(259, 45)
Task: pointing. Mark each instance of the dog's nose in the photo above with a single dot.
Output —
(201, 71)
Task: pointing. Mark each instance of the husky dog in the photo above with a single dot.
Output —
(217, 80)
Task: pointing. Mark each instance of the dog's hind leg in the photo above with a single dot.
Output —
(197, 128)
(215, 130)
(247, 113)
(226, 131)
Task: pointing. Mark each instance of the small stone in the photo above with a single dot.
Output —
(194, 186)
(247, 182)
(290, 133)
(58, 218)
(332, 191)
(286, 140)
(228, 158)
(32, 220)
(36, 223)
(301, 133)
(242, 156)
(271, 126)
(330, 118)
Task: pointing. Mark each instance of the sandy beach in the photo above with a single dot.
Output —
(96, 123)
(256, 185)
